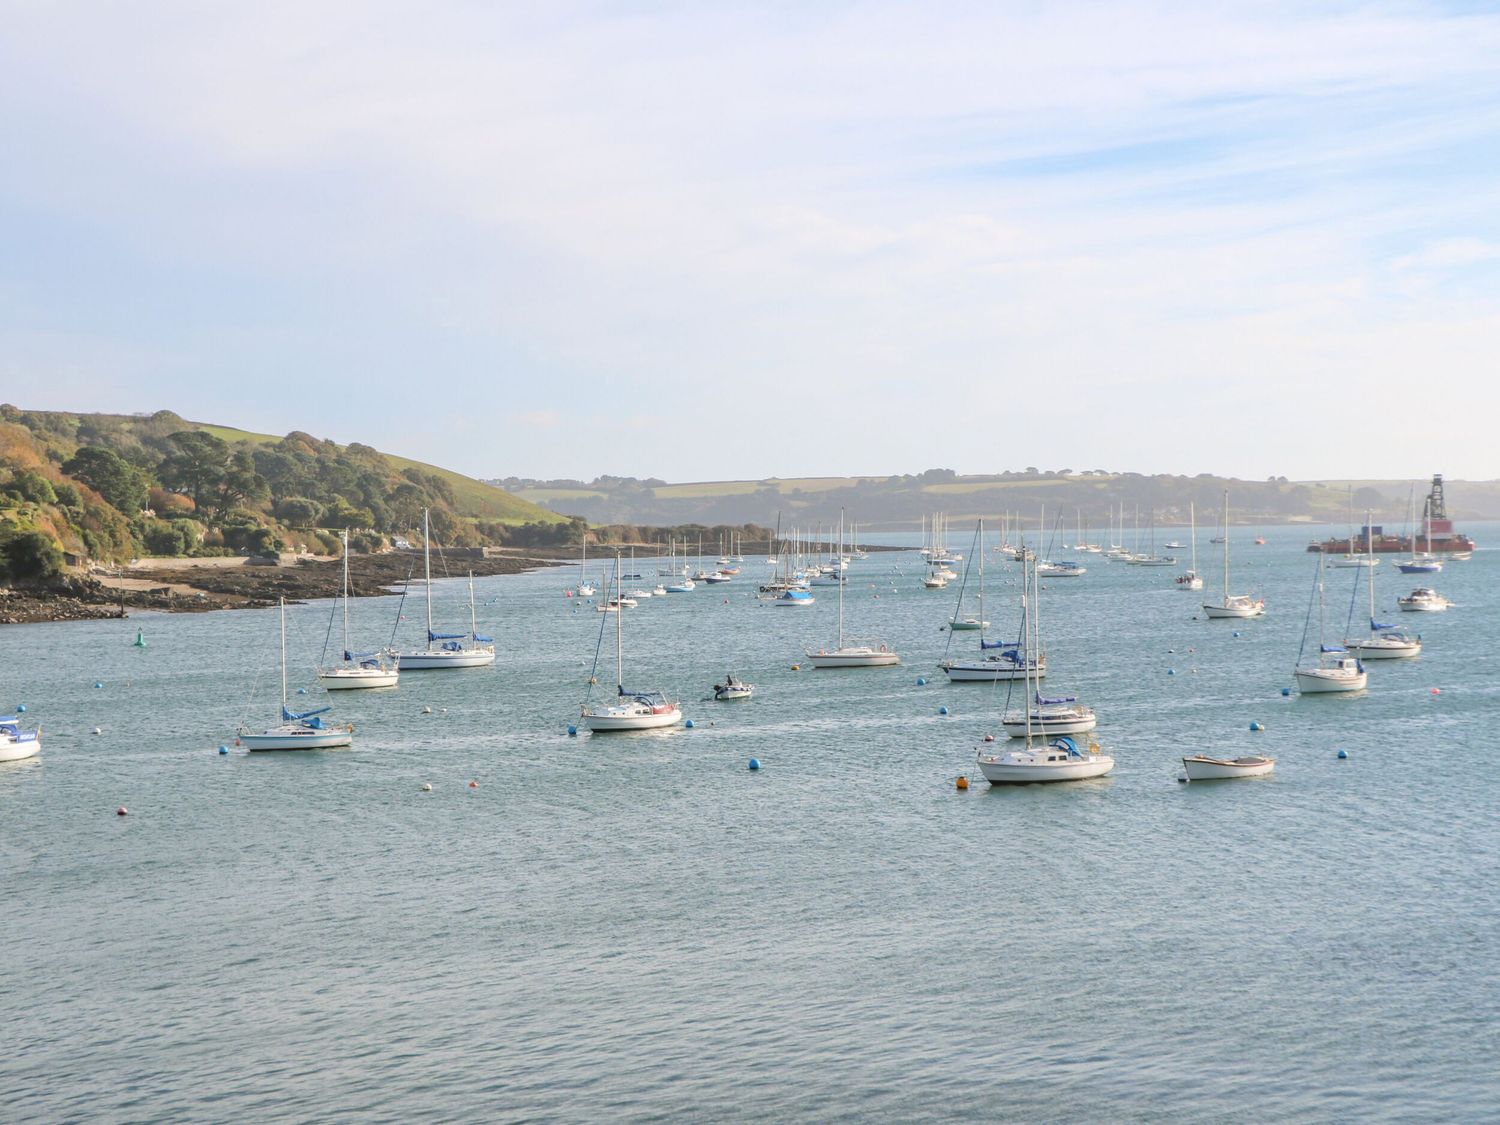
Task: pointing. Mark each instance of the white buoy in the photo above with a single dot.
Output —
(426, 787)
(98, 730)
(426, 710)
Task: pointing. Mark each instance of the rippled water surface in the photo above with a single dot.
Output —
(640, 926)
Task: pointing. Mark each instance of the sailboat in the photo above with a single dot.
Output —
(585, 587)
(1039, 714)
(1427, 562)
(446, 650)
(846, 655)
(1192, 580)
(1052, 758)
(15, 743)
(1353, 558)
(1334, 669)
(1151, 558)
(958, 621)
(299, 730)
(1232, 605)
(355, 669)
(1385, 641)
(630, 710)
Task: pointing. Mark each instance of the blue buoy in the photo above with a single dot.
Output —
(223, 749)
(1256, 726)
(1286, 691)
(572, 729)
(98, 684)
(20, 708)
(755, 763)
(688, 724)
(1236, 634)
(1171, 671)
(942, 710)
(1343, 753)
(921, 681)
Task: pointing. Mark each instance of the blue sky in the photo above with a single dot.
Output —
(700, 241)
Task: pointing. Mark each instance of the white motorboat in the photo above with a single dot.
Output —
(732, 689)
(846, 654)
(1200, 767)
(1232, 605)
(1424, 599)
(299, 730)
(629, 710)
(1335, 670)
(446, 650)
(17, 744)
(355, 670)
(1385, 642)
(686, 586)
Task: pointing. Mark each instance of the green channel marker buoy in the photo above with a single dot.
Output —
(140, 638)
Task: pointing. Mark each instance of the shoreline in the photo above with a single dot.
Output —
(180, 586)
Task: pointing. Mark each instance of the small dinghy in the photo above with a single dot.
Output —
(1200, 767)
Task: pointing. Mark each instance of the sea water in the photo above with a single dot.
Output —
(640, 926)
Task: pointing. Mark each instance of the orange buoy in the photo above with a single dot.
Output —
(473, 785)
(961, 783)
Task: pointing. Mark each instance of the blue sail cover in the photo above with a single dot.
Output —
(480, 638)
(431, 636)
(1067, 744)
(1334, 648)
(303, 716)
(649, 698)
(1052, 701)
(363, 657)
(1376, 625)
(999, 644)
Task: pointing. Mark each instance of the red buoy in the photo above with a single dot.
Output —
(121, 811)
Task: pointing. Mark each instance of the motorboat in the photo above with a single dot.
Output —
(1063, 569)
(1424, 599)
(732, 689)
(796, 597)
(17, 744)
(1200, 767)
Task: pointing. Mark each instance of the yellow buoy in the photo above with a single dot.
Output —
(796, 667)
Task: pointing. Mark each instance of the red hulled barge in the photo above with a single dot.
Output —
(1435, 526)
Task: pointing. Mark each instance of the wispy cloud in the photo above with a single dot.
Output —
(804, 239)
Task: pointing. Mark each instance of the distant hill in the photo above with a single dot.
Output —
(900, 502)
(105, 487)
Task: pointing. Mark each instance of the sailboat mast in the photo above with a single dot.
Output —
(346, 590)
(281, 602)
(473, 621)
(619, 628)
(427, 567)
(1193, 525)
(981, 579)
(1370, 563)
(839, 574)
(1226, 546)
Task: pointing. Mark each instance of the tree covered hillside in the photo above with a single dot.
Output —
(77, 487)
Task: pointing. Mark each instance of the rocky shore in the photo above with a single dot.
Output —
(177, 586)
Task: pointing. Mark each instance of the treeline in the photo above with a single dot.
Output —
(107, 488)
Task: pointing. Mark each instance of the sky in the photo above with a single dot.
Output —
(723, 240)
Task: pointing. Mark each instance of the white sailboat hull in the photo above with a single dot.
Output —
(436, 659)
(608, 719)
(853, 657)
(988, 671)
(295, 737)
(967, 624)
(18, 749)
(1048, 722)
(1383, 648)
(1235, 609)
(1315, 681)
(1026, 767)
(1202, 768)
(349, 679)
